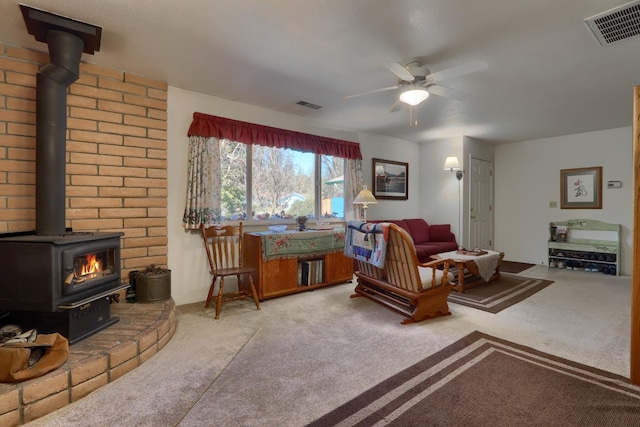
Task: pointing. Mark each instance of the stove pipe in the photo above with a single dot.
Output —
(66, 39)
(65, 50)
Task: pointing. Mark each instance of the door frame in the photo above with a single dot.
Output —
(635, 275)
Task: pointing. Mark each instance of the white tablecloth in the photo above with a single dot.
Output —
(486, 263)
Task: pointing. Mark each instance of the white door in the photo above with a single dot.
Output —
(481, 204)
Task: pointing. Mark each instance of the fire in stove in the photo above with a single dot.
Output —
(89, 267)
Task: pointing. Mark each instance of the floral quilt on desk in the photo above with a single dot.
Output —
(296, 244)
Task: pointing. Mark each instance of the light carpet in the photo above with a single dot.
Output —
(304, 355)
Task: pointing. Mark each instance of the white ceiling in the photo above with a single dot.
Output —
(546, 75)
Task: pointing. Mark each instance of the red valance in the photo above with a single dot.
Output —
(249, 133)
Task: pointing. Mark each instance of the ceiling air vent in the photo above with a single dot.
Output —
(616, 24)
(309, 105)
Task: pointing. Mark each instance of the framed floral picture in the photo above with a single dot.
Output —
(581, 188)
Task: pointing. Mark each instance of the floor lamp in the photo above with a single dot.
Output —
(365, 198)
(451, 164)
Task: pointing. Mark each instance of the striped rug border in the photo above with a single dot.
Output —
(498, 302)
(388, 400)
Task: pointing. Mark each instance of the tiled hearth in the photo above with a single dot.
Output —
(142, 331)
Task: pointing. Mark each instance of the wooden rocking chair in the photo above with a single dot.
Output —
(224, 252)
(416, 290)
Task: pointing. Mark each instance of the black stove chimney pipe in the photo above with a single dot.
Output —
(66, 39)
(65, 50)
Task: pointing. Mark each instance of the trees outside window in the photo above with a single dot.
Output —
(233, 160)
(275, 183)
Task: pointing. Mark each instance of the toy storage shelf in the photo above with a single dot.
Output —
(587, 245)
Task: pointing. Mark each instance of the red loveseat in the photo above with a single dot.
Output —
(428, 239)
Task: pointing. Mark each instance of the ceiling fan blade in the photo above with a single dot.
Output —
(372, 91)
(460, 70)
(448, 92)
(400, 71)
(396, 106)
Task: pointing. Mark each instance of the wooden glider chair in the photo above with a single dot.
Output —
(416, 290)
(224, 252)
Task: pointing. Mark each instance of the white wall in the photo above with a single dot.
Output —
(190, 279)
(527, 178)
(439, 192)
(398, 150)
(444, 199)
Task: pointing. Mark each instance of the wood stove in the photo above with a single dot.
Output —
(60, 283)
(45, 273)
(54, 279)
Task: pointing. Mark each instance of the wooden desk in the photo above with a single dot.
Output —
(467, 262)
(279, 274)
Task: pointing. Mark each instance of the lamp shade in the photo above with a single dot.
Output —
(364, 197)
(414, 95)
(451, 164)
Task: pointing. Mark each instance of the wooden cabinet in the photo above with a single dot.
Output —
(586, 245)
(282, 276)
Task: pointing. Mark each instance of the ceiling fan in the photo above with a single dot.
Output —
(417, 82)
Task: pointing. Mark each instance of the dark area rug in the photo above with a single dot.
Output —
(485, 381)
(498, 294)
(514, 267)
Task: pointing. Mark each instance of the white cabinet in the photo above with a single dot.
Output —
(585, 244)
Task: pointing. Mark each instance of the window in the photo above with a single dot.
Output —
(332, 187)
(252, 183)
(277, 183)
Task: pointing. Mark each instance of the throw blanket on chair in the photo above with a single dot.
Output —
(367, 242)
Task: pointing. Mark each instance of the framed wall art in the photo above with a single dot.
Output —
(390, 180)
(581, 188)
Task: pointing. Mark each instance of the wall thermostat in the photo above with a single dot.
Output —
(614, 184)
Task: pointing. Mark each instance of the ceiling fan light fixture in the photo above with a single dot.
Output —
(414, 95)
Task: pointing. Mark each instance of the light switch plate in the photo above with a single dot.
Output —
(553, 204)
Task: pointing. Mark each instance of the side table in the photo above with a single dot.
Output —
(491, 262)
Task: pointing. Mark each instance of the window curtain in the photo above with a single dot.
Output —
(354, 181)
(250, 133)
(203, 183)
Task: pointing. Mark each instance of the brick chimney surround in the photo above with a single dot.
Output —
(116, 167)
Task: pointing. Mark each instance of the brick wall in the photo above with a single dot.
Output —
(116, 171)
